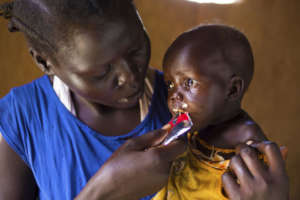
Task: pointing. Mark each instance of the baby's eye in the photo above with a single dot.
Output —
(170, 85)
(188, 83)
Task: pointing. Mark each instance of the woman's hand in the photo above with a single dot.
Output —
(251, 179)
(138, 168)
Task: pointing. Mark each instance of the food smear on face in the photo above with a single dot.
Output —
(180, 110)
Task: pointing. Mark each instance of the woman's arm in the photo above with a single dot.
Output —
(16, 179)
(137, 169)
(256, 180)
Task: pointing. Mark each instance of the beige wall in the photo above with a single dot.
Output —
(272, 27)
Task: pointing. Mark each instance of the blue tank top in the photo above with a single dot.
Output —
(63, 152)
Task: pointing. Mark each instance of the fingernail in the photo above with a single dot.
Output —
(254, 145)
(166, 127)
(249, 142)
(283, 147)
(267, 142)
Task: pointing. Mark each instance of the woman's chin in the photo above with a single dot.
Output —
(127, 105)
(129, 102)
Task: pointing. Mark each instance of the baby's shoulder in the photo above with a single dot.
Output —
(238, 130)
(245, 129)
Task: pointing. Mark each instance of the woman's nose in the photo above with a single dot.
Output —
(126, 75)
(121, 80)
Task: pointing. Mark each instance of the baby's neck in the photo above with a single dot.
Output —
(221, 134)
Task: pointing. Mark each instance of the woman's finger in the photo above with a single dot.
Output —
(230, 185)
(166, 127)
(241, 171)
(273, 155)
(255, 165)
(284, 152)
(171, 151)
(147, 140)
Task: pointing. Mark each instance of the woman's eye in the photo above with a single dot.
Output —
(104, 73)
(134, 53)
(170, 85)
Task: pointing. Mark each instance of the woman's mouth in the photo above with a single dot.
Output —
(135, 95)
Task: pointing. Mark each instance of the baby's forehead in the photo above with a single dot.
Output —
(205, 44)
(196, 52)
(194, 60)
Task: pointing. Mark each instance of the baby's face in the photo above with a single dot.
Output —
(196, 86)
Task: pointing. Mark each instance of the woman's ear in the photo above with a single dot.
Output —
(236, 88)
(44, 64)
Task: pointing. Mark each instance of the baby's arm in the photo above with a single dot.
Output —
(248, 130)
(241, 130)
(231, 133)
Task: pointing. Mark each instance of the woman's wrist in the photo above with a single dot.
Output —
(99, 187)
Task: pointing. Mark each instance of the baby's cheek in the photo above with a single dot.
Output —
(169, 104)
(200, 115)
(196, 107)
(196, 116)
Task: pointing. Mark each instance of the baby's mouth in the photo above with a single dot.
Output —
(178, 109)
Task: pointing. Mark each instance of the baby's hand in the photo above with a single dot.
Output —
(254, 179)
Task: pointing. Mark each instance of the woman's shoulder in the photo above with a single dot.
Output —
(28, 87)
(154, 74)
(25, 96)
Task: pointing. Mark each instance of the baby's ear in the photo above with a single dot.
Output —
(236, 88)
(44, 64)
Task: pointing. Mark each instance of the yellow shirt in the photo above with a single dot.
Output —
(196, 175)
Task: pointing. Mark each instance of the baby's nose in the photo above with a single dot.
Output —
(176, 96)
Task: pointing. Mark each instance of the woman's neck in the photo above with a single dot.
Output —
(106, 120)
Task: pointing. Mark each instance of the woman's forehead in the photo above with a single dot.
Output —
(97, 44)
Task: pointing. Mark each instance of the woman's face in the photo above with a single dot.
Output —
(107, 61)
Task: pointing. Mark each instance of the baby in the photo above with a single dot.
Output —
(207, 70)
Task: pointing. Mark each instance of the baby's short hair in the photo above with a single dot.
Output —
(230, 42)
